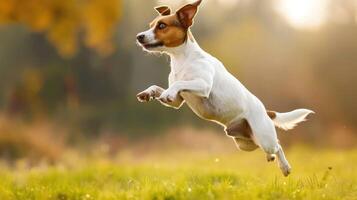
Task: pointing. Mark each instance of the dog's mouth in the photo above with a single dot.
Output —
(152, 45)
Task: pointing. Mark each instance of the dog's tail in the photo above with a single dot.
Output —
(289, 120)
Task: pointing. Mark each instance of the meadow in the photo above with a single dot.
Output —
(183, 174)
(70, 123)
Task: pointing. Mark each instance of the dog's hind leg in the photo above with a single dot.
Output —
(270, 157)
(241, 133)
(264, 135)
(283, 162)
(239, 129)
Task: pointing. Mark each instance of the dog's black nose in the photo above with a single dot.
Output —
(140, 38)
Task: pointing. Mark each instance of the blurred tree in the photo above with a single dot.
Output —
(64, 20)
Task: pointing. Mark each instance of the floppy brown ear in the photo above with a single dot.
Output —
(163, 10)
(187, 13)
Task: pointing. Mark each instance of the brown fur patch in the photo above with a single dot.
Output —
(163, 10)
(186, 14)
(271, 114)
(173, 35)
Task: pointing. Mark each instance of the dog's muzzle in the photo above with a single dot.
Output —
(147, 41)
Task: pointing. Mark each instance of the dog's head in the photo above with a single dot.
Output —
(169, 29)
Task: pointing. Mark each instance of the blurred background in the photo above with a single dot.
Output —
(70, 70)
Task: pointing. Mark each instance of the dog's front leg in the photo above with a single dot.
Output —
(150, 93)
(154, 92)
(172, 98)
(197, 86)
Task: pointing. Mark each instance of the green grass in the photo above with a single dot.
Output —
(184, 175)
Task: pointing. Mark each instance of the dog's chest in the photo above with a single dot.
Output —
(201, 106)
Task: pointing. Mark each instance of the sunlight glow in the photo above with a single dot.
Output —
(303, 13)
(228, 3)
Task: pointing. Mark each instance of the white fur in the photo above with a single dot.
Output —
(289, 120)
(149, 35)
(203, 83)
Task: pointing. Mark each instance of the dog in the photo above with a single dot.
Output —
(203, 83)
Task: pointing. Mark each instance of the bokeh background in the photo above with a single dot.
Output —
(70, 70)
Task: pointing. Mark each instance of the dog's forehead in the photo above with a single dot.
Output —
(168, 19)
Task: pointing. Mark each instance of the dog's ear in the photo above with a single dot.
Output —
(163, 10)
(187, 13)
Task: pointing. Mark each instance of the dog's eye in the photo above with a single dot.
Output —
(161, 26)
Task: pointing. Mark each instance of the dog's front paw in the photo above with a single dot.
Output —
(144, 96)
(168, 96)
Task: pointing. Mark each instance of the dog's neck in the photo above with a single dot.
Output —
(186, 52)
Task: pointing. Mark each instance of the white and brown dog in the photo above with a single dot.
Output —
(214, 94)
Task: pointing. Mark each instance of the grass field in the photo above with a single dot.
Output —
(317, 174)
